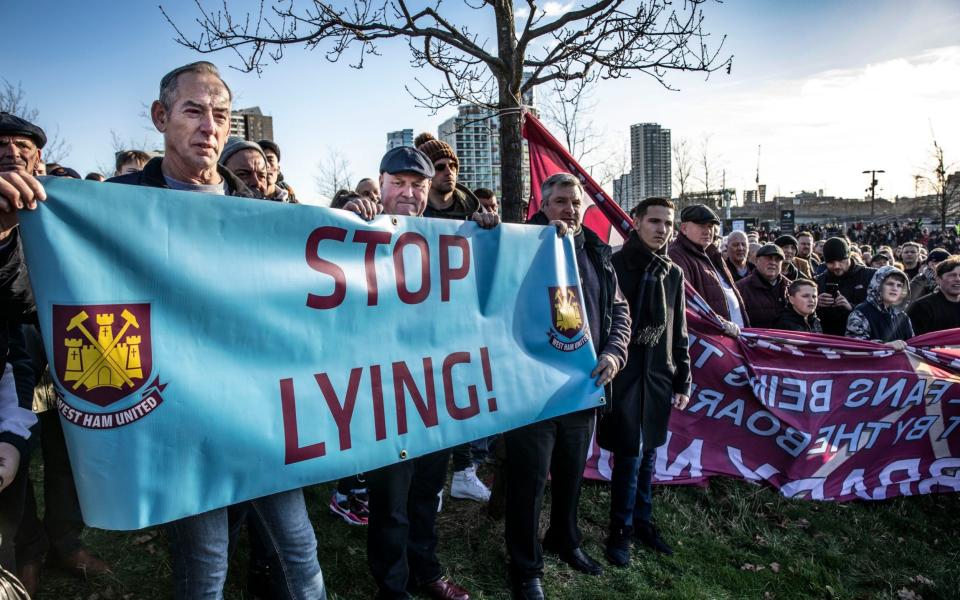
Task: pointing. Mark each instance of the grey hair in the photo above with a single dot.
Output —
(168, 85)
(737, 233)
(555, 180)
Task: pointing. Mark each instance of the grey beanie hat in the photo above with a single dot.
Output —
(236, 144)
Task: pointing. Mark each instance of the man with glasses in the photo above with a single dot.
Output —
(448, 199)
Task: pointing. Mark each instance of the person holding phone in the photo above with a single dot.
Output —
(841, 286)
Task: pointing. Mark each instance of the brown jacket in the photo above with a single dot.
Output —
(702, 269)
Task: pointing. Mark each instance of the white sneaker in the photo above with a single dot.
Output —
(467, 486)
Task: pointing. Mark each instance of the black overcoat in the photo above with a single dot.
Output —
(643, 390)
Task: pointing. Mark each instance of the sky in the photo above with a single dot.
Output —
(825, 88)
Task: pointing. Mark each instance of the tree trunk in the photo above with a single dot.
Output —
(511, 141)
(511, 158)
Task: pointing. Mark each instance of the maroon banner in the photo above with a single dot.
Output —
(820, 417)
(817, 417)
(547, 157)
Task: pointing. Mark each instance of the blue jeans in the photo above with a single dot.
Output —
(631, 489)
(200, 547)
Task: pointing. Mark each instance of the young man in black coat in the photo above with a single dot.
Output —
(655, 379)
(941, 309)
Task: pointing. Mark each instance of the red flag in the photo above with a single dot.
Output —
(547, 157)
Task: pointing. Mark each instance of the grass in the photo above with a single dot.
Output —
(731, 540)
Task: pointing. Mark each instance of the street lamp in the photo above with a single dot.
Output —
(873, 189)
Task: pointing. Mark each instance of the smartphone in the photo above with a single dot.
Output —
(833, 289)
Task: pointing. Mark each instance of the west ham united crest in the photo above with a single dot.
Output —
(567, 333)
(103, 356)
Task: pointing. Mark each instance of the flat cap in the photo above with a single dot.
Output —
(786, 240)
(938, 255)
(406, 159)
(14, 125)
(236, 144)
(698, 213)
(770, 250)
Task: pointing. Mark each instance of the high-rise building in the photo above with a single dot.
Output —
(650, 167)
(251, 124)
(474, 134)
(396, 139)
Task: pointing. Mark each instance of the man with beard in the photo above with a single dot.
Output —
(559, 446)
(842, 285)
(402, 535)
(910, 257)
(655, 379)
(925, 282)
(805, 249)
(941, 309)
(448, 199)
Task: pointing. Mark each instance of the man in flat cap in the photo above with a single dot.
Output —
(21, 150)
(402, 534)
(764, 290)
(703, 267)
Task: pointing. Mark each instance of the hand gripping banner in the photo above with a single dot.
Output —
(817, 417)
(208, 350)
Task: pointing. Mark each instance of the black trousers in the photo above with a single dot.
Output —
(11, 513)
(559, 447)
(401, 532)
(62, 520)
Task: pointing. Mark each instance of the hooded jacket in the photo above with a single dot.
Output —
(871, 320)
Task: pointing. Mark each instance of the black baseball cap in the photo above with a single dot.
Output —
(698, 213)
(407, 159)
(938, 255)
(14, 125)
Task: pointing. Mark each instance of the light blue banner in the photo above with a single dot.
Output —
(210, 350)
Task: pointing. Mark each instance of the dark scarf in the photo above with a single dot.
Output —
(650, 309)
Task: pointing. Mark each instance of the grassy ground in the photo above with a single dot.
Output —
(732, 540)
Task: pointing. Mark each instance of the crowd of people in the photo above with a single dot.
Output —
(635, 305)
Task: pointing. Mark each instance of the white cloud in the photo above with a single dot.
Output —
(555, 9)
(823, 130)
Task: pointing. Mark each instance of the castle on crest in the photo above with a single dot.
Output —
(120, 355)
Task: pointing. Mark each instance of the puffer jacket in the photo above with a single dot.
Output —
(871, 320)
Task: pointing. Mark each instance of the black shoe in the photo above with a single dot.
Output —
(648, 535)
(579, 560)
(528, 589)
(618, 547)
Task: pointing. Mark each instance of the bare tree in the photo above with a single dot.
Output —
(569, 108)
(13, 99)
(706, 161)
(607, 39)
(682, 169)
(944, 187)
(333, 174)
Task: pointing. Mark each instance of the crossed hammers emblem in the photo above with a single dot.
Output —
(78, 321)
